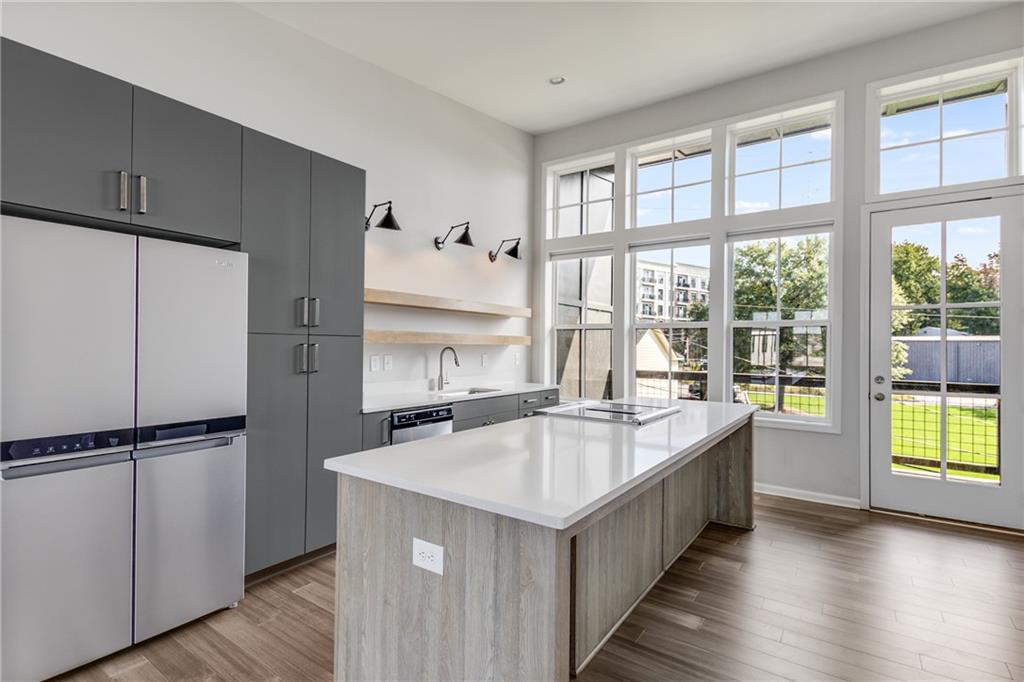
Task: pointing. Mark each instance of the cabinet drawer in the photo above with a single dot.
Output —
(376, 430)
(529, 400)
(482, 407)
(485, 420)
(549, 398)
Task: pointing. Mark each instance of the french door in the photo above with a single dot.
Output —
(946, 347)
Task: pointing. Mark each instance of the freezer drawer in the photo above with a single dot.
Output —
(66, 564)
(189, 532)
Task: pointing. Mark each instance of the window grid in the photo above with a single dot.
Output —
(585, 304)
(584, 202)
(703, 145)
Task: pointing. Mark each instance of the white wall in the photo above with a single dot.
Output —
(825, 465)
(439, 161)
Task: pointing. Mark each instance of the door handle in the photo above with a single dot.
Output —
(316, 313)
(143, 194)
(302, 358)
(122, 204)
(302, 307)
(314, 364)
(879, 396)
(879, 379)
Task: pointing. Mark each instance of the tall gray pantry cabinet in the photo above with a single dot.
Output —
(302, 216)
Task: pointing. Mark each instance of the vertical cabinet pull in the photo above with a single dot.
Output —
(302, 308)
(302, 358)
(314, 363)
(122, 202)
(384, 438)
(143, 194)
(316, 313)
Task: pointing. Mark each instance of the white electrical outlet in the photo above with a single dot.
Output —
(483, 359)
(387, 363)
(428, 556)
(374, 363)
(515, 359)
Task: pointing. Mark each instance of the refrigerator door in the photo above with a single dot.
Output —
(189, 532)
(66, 535)
(67, 317)
(192, 333)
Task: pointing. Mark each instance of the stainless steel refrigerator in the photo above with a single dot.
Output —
(122, 421)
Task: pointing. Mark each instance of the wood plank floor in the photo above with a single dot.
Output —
(814, 593)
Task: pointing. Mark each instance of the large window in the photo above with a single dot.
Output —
(671, 296)
(781, 323)
(781, 161)
(585, 201)
(674, 185)
(584, 315)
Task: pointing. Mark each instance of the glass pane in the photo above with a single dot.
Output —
(916, 435)
(691, 276)
(692, 203)
(916, 250)
(654, 209)
(567, 280)
(918, 125)
(804, 277)
(568, 364)
(755, 156)
(972, 260)
(652, 363)
(653, 269)
(974, 115)
(654, 172)
(802, 371)
(689, 363)
(975, 158)
(568, 314)
(757, 192)
(909, 168)
(570, 189)
(599, 217)
(692, 168)
(753, 280)
(598, 277)
(805, 185)
(570, 223)
(754, 358)
(601, 183)
(811, 146)
(972, 350)
(972, 439)
(598, 364)
(915, 355)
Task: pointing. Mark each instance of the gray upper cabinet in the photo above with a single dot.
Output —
(337, 201)
(275, 232)
(335, 427)
(275, 487)
(187, 168)
(67, 134)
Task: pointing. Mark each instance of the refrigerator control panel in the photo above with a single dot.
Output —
(48, 446)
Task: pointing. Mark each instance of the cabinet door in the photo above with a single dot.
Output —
(376, 430)
(337, 201)
(67, 134)
(335, 427)
(275, 475)
(275, 232)
(191, 164)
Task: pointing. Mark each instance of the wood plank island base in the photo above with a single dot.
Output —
(552, 530)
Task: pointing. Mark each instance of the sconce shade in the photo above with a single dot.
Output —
(463, 238)
(512, 251)
(388, 222)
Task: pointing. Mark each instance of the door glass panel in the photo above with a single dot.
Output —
(916, 253)
(972, 260)
(972, 439)
(916, 343)
(916, 435)
(972, 350)
(754, 358)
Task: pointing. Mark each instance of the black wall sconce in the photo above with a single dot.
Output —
(463, 238)
(388, 222)
(512, 251)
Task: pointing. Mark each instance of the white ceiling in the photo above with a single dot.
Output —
(497, 57)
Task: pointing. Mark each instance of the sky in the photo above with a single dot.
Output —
(975, 238)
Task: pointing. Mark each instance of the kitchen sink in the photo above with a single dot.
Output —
(468, 391)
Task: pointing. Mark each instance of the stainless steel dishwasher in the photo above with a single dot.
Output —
(420, 423)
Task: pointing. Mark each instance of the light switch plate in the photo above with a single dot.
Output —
(483, 359)
(428, 556)
(374, 363)
(387, 363)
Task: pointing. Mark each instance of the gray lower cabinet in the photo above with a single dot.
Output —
(275, 233)
(275, 506)
(484, 407)
(67, 134)
(187, 168)
(334, 427)
(376, 430)
(484, 420)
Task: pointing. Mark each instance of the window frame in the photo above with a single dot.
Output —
(669, 147)
(556, 206)
(829, 423)
(1009, 65)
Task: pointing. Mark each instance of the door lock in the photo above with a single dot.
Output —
(879, 379)
(879, 396)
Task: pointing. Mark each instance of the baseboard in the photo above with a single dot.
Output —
(807, 495)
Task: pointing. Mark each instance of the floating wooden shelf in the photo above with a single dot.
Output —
(410, 300)
(437, 338)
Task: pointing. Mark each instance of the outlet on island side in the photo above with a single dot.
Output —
(428, 556)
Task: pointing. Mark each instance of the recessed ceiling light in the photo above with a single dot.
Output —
(556, 80)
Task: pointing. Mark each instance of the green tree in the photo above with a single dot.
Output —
(901, 322)
(916, 271)
(804, 270)
(754, 288)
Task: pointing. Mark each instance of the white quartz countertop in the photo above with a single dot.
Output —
(400, 401)
(547, 470)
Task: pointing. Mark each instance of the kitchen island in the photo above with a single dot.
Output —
(552, 530)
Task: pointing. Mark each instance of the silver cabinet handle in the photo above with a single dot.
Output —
(122, 204)
(384, 431)
(303, 311)
(316, 313)
(551, 397)
(314, 365)
(143, 194)
(302, 358)
(527, 401)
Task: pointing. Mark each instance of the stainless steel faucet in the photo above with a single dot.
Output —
(441, 380)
